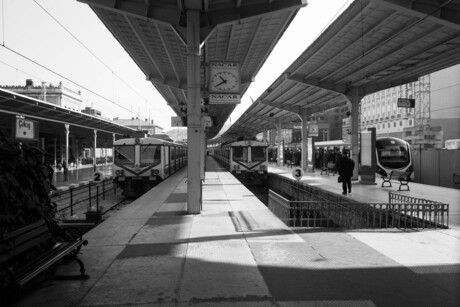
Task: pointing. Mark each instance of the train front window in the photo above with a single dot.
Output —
(258, 153)
(150, 155)
(240, 154)
(124, 155)
(394, 156)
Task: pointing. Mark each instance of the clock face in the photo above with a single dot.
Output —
(224, 81)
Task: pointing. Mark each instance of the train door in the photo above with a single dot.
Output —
(166, 161)
(174, 154)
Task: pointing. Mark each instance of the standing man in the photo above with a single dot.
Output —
(345, 168)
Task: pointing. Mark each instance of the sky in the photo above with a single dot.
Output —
(56, 41)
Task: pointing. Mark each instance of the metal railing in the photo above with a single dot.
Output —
(351, 215)
(79, 199)
(419, 209)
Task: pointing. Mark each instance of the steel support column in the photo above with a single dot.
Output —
(304, 135)
(280, 159)
(194, 130)
(67, 127)
(95, 147)
(355, 97)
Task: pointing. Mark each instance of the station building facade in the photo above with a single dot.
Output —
(58, 95)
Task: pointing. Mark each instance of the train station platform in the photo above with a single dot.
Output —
(237, 253)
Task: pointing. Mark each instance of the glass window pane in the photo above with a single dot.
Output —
(124, 155)
(240, 154)
(258, 153)
(150, 155)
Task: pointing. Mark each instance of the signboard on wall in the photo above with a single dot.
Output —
(368, 156)
(406, 103)
(313, 130)
(25, 129)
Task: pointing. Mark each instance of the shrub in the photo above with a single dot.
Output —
(24, 188)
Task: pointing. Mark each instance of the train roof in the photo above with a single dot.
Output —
(246, 143)
(145, 141)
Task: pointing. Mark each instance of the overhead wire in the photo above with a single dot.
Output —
(91, 52)
(95, 56)
(62, 76)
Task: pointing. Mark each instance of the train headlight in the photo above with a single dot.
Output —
(155, 172)
(120, 172)
(263, 167)
(236, 167)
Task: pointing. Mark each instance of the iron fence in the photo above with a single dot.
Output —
(422, 209)
(79, 199)
(351, 215)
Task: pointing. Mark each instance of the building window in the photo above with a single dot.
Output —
(400, 123)
(410, 122)
(394, 124)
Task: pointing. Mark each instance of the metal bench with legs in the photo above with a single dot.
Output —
(402, 176)
(34, 249)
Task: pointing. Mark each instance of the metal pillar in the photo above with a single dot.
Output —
(55, 156)
(194, 130)
(280, 160)
(272, 137)
(304, 147)
(95, 147)
(203, 150)
(354, 99)
(67, 126)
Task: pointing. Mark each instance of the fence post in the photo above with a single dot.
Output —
(97, 204)
(71, 201)
(89, 191)
(103, 189)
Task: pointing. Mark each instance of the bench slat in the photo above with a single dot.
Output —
(48, 256)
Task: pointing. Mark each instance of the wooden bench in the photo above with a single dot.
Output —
(402, 177)
(29, 251)
(328, 169)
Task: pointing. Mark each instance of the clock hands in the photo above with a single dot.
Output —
(222, 82)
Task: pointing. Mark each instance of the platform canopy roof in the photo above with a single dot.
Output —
(153, 32)
(52, 117)
(373, 45)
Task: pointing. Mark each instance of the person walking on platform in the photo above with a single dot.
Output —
(345, 169)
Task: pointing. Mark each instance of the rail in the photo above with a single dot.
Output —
(422, 209)
(78, 199)
(349, 215)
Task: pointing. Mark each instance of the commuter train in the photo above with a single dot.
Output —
(142, 163)
(247, 160)
(391, 153)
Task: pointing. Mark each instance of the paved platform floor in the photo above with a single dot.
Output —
(236, 253)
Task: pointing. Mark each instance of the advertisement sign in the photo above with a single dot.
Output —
(368, 157)
(313, 130)
(224, 98)
(406, 103)
(366, 148)
(25, 129)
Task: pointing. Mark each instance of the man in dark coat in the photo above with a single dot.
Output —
(345, 168)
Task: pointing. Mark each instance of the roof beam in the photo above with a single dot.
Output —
(317, 83)
(174, 83)
(295, 109)
(446, 13)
